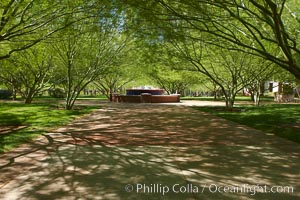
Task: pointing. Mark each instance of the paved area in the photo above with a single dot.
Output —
(144, 151)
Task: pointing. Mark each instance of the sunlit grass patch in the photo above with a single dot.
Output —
(281, 119)
(35, 118)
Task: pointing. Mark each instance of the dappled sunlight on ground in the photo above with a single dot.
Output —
(98, 155)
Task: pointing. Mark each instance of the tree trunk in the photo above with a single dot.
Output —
(110, 93)
(71, 98)
(229, 104)
(28, 100)
(69, 103)
(257, 98)
(69, 107)
(215, 95)
(297, 91)
(252, 96)
(29, 97)
(14, 94)
(257, 94)
(230, 98)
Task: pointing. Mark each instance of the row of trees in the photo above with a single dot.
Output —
(232, 44)
(236, 44)
(71, 46)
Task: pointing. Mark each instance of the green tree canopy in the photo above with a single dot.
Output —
(267, 28)
(24, 23)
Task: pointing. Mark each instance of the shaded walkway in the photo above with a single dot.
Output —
(156, 146)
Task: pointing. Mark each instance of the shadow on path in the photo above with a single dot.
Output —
(156, 148)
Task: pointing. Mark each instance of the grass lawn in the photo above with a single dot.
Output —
(238, 98)
(81, 97)
(281, 119)
(31, 120)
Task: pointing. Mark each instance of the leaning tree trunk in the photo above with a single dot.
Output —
(72, 97)
(298, 93)
(70, 101)
(69, 104)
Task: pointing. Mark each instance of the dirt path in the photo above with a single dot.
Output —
(153, 152)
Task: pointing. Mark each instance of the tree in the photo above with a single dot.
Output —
(9, 79)
(266, 29)
(264, 71)
(115, 79)
(171, 80)
(87, 52)
(231, 71)
(163, 68)
(289, 80)
(28, 72)
(25, 23)
(125, 69)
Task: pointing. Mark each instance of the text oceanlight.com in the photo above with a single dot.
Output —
(211, 188)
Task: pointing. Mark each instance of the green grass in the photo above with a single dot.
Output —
(238, 98)
(199, 98)
(101, 97)
(281, 119)
(81, 97)
(37, 119)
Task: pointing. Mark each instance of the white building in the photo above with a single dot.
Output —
(282, 91)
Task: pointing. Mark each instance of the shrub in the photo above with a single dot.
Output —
(5, 94)
(57, 93)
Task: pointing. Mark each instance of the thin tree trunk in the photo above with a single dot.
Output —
(252, 96)
(257, 94)
(14, 94)
(298, 93)
(257, 98)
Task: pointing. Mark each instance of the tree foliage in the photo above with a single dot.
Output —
(267, 28)
(117, 77)
(28, 72)
(24, 23)
(230, 70)
(86, 53)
